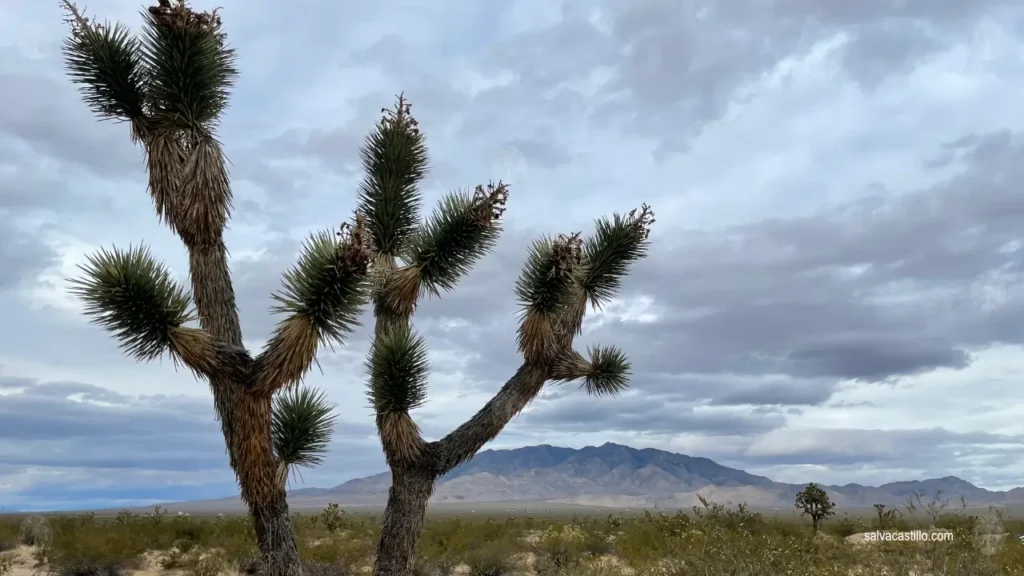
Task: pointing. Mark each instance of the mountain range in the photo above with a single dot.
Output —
(616, 476)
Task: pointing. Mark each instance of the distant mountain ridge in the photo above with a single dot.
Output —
(619, 476)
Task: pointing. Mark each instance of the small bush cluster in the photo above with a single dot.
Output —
(710, 539)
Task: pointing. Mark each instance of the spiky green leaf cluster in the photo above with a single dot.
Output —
(320, 288)
(609, 371)
(616, 244)
(540, 287)
(176, 76)
(397, 367)
(134, 297)
(190, 68)
(451, 242)
(105, 62)
(301, 424)
(394, 157)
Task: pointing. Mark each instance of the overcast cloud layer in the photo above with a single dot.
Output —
(834, 293)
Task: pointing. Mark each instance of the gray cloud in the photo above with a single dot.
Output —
(932, 453)
(824, 296)
(655, 415)
(71, 425)
(22, 254)
(47, 116)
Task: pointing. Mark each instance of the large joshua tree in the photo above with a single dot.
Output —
(562, 276)
(170, 85)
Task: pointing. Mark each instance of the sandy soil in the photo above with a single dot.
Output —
(25, 564)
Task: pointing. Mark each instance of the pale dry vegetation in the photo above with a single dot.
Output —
(711, 540)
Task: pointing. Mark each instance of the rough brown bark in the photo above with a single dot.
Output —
(275, 537)
(244, 416)
(463, 442)
(403, 521)
(214, 297)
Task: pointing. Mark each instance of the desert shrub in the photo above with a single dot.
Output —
(172, 559)
(198, 564)
(491, 559)
(250, 565)
(8, 533)
(846, 526)
(332, 517)
(6, 564)
(439, 567)
(453, 538)
(597, 543)
(560, 548)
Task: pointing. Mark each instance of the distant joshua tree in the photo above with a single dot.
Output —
(560, 278)
(813, 501)
(170, 85)
(886, 516)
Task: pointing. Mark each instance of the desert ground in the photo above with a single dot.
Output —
(710, 540)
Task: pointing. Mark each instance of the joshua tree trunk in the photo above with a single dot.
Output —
(242, 416)
(274, 535)
(261, 489)
(403, 520)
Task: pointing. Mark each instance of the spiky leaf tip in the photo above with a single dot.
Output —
(609, 371)
(104, 61)
(134, 297)
(398, 368)
(463, 228)
(617, 244)
(302, 421)
(191, 67)
(546, 277)
(327, 285)
(394, 157)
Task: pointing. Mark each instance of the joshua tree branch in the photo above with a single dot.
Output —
(462, 229)
(395, 160)
(558, 279)
(210, 358)
(301, 424)
(135, 297)
(462, 443)
(104, 61)
(321, 298)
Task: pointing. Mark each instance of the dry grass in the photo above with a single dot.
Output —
(712, 540)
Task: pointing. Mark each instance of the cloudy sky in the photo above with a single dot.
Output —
(834, 293)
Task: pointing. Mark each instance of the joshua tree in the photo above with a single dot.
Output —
(560, 278)
(813, 501)
(170, 85)
(880, 510)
